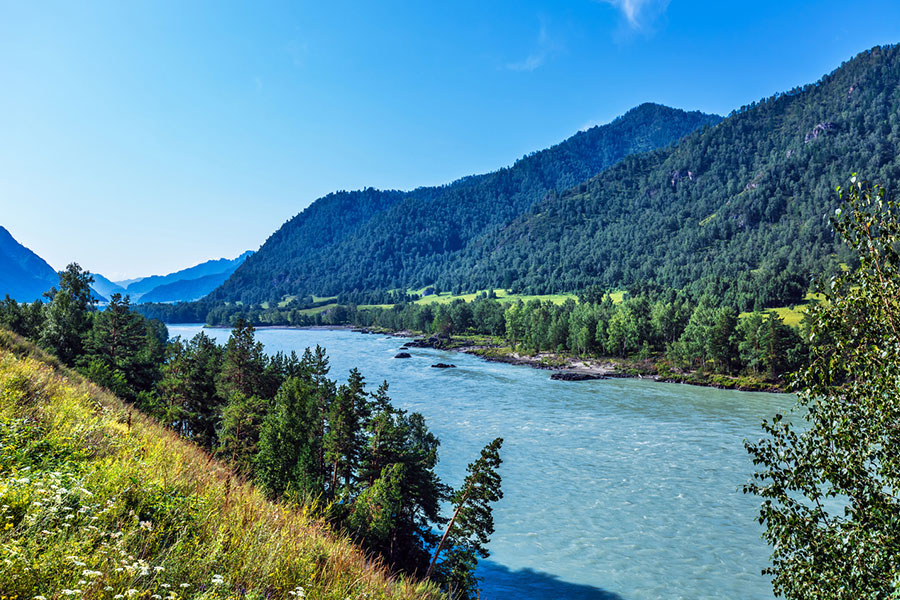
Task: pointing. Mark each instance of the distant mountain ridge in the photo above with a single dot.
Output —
(184, 285)
(106, 287)
(186, 290)
(24, 275)
(210, 267)
(374, 239)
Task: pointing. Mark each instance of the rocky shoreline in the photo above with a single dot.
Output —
(564, 367)
(570, 368)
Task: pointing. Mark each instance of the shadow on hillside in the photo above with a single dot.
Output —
(501, 582)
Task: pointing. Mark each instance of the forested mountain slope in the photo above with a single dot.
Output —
(378, 240)
(739, 210)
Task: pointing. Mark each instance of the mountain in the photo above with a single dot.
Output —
(196, 281)
(738, 210)
(373, 239)
(186, 289)
(124, 283)
(24, 275)
(105, 287)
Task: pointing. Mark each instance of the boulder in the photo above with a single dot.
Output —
(575, 376)
(443, 366)
(403, 355)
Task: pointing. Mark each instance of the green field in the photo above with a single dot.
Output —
(792, 315)
(502, 296)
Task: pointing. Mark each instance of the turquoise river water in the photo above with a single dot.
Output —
(618, 489)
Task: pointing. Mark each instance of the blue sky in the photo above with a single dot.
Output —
(143, 137)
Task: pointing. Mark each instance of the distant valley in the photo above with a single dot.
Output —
(25, 277)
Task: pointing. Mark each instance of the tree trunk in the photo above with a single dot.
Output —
(440, 546)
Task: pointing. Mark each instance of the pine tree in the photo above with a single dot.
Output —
(244, 362)
(343, 441)
(68, 315)
(472, 523)
(290, 444)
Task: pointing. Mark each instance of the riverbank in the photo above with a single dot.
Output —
(564, 367)
(577, 368)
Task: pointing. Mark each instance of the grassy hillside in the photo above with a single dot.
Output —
(98, 501)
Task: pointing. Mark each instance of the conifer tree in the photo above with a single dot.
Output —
(471, 525)
(244, 362)
(68, 318)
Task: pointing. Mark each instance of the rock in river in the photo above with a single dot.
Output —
(443, 366)
(577, 376)
(403, 355)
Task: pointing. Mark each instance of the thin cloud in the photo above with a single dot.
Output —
(639, 13)
(537, 58)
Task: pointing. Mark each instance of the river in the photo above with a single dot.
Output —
(613, 489)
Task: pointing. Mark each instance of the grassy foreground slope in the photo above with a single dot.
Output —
(100, 501)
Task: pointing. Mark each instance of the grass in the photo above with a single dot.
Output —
(98, 501)
(288, 299)
(447, 298)
(502, 296)
(317, 309)
(792, 315)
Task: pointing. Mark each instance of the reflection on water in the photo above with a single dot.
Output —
(613, 489)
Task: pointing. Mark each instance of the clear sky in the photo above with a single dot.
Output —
(144, 137)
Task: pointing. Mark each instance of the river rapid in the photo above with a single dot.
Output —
(613, 489)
